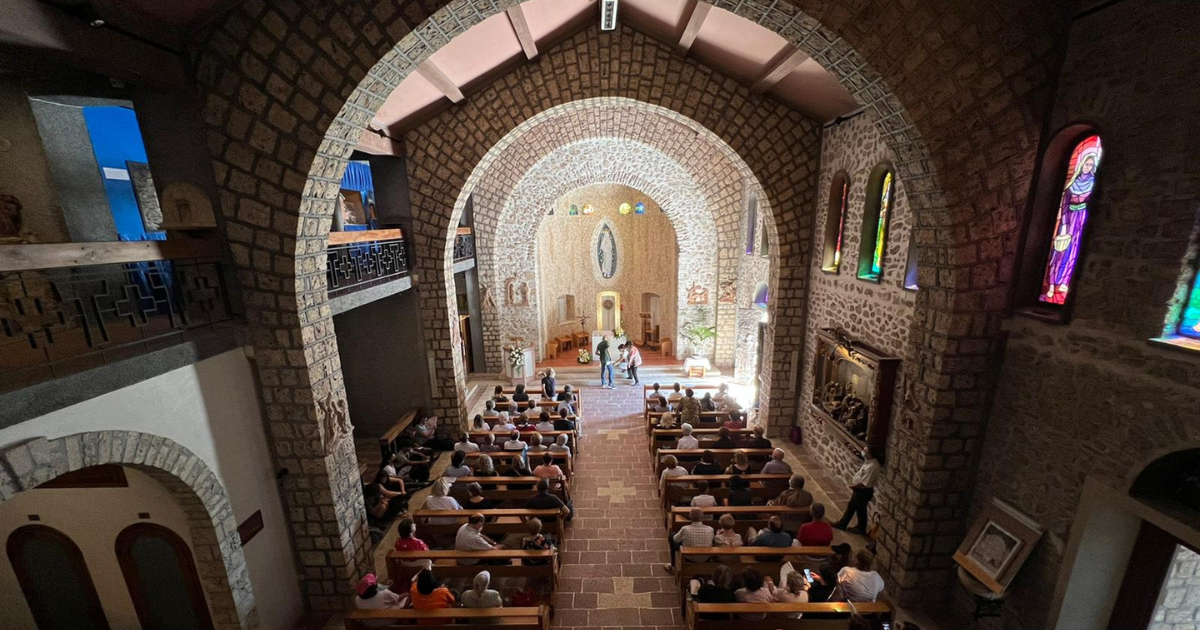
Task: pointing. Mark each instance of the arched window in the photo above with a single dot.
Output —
(55, 580)
(162, 580)
(910, 267)
(876, 214)
(835, 222)
(761, 296)
(1073, 207)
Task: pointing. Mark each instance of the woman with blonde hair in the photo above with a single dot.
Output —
(440, 499)
(671, 468)
(479, 595)
(740, 465)
(560, 445)
(726, 537)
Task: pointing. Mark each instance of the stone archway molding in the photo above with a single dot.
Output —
(217, 549)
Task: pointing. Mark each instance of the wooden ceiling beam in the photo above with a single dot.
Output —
(694, 21)
(776, 72)
(434, 75)
(520, 27)
(371, 142)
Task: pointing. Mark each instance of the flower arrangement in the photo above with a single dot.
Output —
(618, 332)
(585, 356)
(516, 359)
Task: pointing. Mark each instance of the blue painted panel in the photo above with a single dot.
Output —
(117, 139)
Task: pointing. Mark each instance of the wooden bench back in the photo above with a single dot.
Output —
(708, 420)
(505, 491)
(388, 442)
(501, 522)
(761, 487)
(445, 564)
(688, 457)
(747, 516)
(505, 459)
(548, 437)
(524, 618)
(816, 616)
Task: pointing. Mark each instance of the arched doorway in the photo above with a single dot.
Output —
(162, 580)
(55, 580)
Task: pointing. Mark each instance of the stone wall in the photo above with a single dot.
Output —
(1091, 398)
(1179, 605)
(879, 314)
(647, 259)
(753, 270)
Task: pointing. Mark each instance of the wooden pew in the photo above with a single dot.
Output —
(372, 451)
(688, 457)
(708, 420)
(677, 516)
(501, 523)
(524, 618)
(666, 438)
(445, 565)
(537, 392)
(766, 560)
(389, 442)
(549, 437)
(822, 616)
(514, 490)
(762, 487)
(505, 459)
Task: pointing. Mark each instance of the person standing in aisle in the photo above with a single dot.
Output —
(634, 361)
(606, 368)
(863, 485)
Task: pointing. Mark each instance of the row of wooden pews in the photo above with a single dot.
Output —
(699, 562)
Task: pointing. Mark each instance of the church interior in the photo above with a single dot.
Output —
(673, 314)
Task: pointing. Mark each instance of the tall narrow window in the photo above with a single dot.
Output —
(54, 579)
(1189, 323)
(1073, 206)
(162, 579)
(751, 222)
(878, 211)
(910, 268)
(835, 222)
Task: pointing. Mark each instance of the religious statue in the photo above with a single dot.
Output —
(334, 419)
(523, 293)
(489, 303)
(697, 295)
(1072, 214)
(728, 293)
(831, 399)
(854, 416)
(516, 292)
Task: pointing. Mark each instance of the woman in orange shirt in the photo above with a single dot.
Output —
(427, 593)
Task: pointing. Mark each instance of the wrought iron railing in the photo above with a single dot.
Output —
(464, 245)
(357, 260)
(67, 308)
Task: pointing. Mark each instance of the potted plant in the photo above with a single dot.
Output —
(699, 334)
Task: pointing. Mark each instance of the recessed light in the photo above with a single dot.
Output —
(97, 23)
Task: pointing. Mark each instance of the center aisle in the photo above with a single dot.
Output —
(612, 572)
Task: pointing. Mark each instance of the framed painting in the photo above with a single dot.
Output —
(998, 545)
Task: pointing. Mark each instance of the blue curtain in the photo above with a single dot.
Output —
(358, 177)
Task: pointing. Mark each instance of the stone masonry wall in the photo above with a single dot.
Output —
(880, 314)
(1091, 398)
(1179, 606)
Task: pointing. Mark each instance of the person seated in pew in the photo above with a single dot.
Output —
(371, 595)
(777, 466)
(740, 465)
(524, 418)
(543, 500)
(549, 386)
(739, 493)
(659, 404)
(716, 590)
(466, 445)
(536, 442)
(707, 465)
(439, 499)
(428, 593)
(409, 463)
(818, 532)
(722, 393)
(795, 496)
(523, 425)
(470, 538)
(536, 541)
(759, 440)
(703, 498)
(489, 410)
(724, 440)
(519, 394)
(735, 421)
(694, 534)
(503, 423)
(566, 399)
(383, 504)
(548, 469)
(563, 422)
(671, 468)
(498, 395)
(675, 396)
(476, 500)
(407, 540)
(726, 536)
(655, 392)
(485, 466)
(560, 445)
(489, 444)
(824, 586)
(859, 583)
(689, 408)
(793, 591)
(458, 466)
(706, 403)
(667, 420)
(544, 423)
(514, 442)
(772, 536)
(478, 424)
(517, 468)
(687, 441)
(755, 590)
(479, 595)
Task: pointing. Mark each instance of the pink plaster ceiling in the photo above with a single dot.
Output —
(730, 44)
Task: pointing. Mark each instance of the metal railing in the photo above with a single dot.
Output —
(464, 245)
(357, 260)
(66, 308)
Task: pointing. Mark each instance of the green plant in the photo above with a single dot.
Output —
(698, 332)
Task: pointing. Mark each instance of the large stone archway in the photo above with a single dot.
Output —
(956, 87)
(220, 562)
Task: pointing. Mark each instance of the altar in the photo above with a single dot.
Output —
(597, 335)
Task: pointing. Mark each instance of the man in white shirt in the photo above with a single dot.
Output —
(544, 424)
(466, 445)
(863, 485)
(671, 468)
(503, 424)
(470, 538)
(694, 534)
(859, 582)
(514, 443)
(703, 498)
(688, 441)
(489, 410)
(777, 466)
(675, 396)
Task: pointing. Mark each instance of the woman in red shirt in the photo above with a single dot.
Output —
(817, 532)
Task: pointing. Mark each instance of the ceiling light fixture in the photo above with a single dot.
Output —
(97, 23)
(608, 15)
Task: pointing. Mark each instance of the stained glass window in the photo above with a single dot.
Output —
(639, 208)
(625, 208)
(587, 208)
(875, 224)
(1189, 325)
(835, 223)
(1073, 205)
(574, 211)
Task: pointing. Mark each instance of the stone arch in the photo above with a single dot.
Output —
(218, 552)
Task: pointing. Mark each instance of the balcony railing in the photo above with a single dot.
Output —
(65, 308)
(357, 260)
(464, 245)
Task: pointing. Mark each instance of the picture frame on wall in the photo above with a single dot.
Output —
(997, 545)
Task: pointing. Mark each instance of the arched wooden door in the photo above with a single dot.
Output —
(55, 580)
(162, 580)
